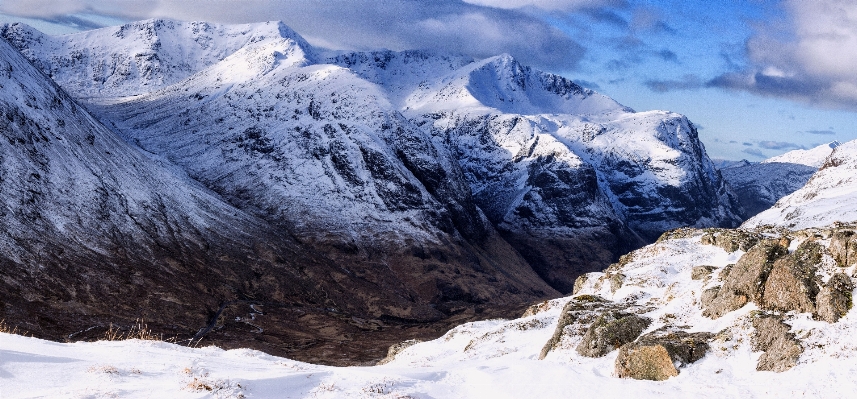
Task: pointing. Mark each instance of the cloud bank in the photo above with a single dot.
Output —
(479, 28)
(810, 56)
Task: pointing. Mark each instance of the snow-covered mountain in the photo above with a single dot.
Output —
(828, 197)
(758, 186)
(96, 231)
(813, 157)
(380, 149)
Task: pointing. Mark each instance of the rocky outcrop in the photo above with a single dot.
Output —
(613, 322)
(772, 336)
(792, 283)
(658, 355)
(731, 240)
(610, 331)
(835, 298)
(746, 280)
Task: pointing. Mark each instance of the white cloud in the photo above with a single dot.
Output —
(811, 56)
(442, 25)
(564, 5)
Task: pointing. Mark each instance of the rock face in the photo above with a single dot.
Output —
(835, 298)
(372, 153)
(658, 355)
(610, 331)
(780, 346)
(746, 280)
(843, 247)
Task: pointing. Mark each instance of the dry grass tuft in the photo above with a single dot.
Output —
(6, 328)
(140, 330)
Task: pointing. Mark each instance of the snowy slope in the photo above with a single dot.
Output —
(829, 196)
(494, 358)
(813, 157)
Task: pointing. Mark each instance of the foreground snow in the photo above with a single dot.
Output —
(33, 368)
(494, 358)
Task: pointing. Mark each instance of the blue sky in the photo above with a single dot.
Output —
(758, 78)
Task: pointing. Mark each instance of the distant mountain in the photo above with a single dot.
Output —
(758, 186)
(813, 157)
(829, 196)
(727, 163)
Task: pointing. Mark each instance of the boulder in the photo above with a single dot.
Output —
(610, 331)
(792, 283)
(701, 272)
(645, 363)
(745, 281)
(843, 247)
(835, 298)
(781, 348)
(658, 355)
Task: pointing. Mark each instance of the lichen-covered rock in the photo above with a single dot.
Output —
(395, 349)
(579, 307)
(610, 331)
(746, 279)
(644, 358)
(835, 298)
(843, 247)
(708, 296)
(792, 283)
(579, 283)
(616, 281)
(701, 272)
(731, 240)
(781, 348)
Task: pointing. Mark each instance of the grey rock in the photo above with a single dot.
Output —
(835, 298)
(610, 331)
(781, 348)
(746, 280)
